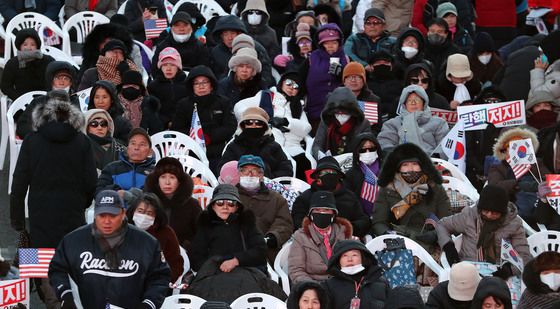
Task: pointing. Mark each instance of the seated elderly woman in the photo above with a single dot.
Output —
(314, 241)
(414, 123)
(100, 128)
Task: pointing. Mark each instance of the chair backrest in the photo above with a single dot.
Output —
(292, 183)
(455, 172)
(122, 8)
(461, 186)
(182, 301)
(84, 22)
(186, 263)
(27, 20)
(281, 266)
(544, 241)
(176, 144)
(203, 195)
(208, 8)
(58, 54)
(377, 244)
(195, 168)
(257, 301)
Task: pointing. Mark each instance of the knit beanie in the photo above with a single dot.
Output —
(302, 32)
(446, 8)
(354, 68)
(246, 56)
(172, 166)
(229, 173)
(254, 113)
(328, 34)
(241, 41)
(23, 34)
(483, 42)
(458, 66)
(493, 198)
(170, 55)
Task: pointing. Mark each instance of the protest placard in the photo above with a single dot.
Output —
(553, 198)
(13, 292)
(504, 114)
(449, 116)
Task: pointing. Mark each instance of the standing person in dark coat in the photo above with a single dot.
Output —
(328, 177)
(458, 292)
(439, 45)
(103, 96)
(56, 167)
(182, 38)
(355, 275)
(421, 74)
(383, 81)
(174, 188)
(137, 11)
(256, 17)
(25, 72)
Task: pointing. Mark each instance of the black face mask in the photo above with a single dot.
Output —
(435, 39)
(329, 182)
(411, 177)
(131, 93)
(542, 119)
(322, 221)
(382, 71)
(253, 133)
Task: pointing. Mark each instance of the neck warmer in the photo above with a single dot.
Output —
(461, 93)
(337, 136)
(107, 69)
(110, 243)
(107, 140)
(542, 119)
(24, 57)
(295, 106)
(411, 194)
(132, 110)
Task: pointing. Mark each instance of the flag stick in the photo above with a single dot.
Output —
(539, 171)
(534, 176)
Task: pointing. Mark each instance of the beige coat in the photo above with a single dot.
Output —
(308, 255)
(398, 14)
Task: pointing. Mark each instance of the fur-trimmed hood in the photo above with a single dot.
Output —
(405, 151)
(338, 220)
(90, 51)
(67, 118)
(515, 133)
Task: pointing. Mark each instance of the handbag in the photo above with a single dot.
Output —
(397, 263)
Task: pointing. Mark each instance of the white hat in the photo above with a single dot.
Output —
(463, 281)
(248, 56)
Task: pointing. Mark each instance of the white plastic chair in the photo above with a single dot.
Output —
(308, 153)
(58, 54)
(203, 197)
(176, 144)
(281, 266)
(528, 229)
(186, 268)
(20, 104)
(461, 186)
(292, 183)
(272, 274)
(195, 168)
(75, 293)
(208, 8)
(257, 301)
(83, 22)
(455, 172)
(544, 241)
(4, 138)
(182, 301)
(122, 8)
(377, 244)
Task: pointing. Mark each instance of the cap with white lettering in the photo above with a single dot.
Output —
(108, 201)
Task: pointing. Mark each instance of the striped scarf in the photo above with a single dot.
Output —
(107, 69)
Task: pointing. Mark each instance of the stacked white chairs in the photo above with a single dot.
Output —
(4, 138)
(203, 195)
(176, 144)
(257, 301)
(195, 168)
(182, 301)
(292, 183)
(544, 241)
(208, 8)
(83, 23)
(281, 266)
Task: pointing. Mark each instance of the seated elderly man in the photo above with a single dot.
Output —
(483, 227)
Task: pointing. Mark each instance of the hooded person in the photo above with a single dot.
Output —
(541, 110)
(244, 79)
(484, 59)
(341, 120)
(306, 294)
(459, 84)
(541, 277)
(414, 123)
(483, 227)
(459, 35)
(355, 274)
(382, 80)
(421, 74)
(546, 73)
(58, 76)
(313, 242)
(256, 18)
(401, 297)
(458, 292)
(439, 45)
(103, 95)
(409, 49)
(28, 68)
(492, 291)
(410, 192)
(99, 127)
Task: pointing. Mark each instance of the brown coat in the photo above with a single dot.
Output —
(170, 249)
(308, 255)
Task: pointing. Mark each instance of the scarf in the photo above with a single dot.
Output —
(132, 110)
(486, 239)
(369, 187)
(461, 93)
(326, 234)
(102, 141)
(453, 30)
(24, 57)
(295, 106)
(337, 136)
(107, 69)
(411, 194)
(110, 243)
(542, 119)
(411, 131)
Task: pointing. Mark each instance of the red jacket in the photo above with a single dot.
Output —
(496, 13)
(417, 20)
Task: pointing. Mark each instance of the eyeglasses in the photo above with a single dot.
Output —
(374, 23)
(492, 100)
(63, 78)
(253, 122)
(95, 124)
(370, 149)
(201, 84)
(304, 43)
(414, 102)
(291, 83)
(416, 81)
(227, 203)
(353, 77)
(246, 171)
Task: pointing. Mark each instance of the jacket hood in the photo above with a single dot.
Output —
(338, 220)
(342, 98)
(201, 70)
(419, 37)
(95, 113)
(402, 297)
(368, 260)
(255, 5)
(300, 288)
(116, 108)
(67, 120)
(515, 133)
(228, 22)
(406, 151)
(532, 279)
(491, 286)
(401, 110)
(424, 66)
(56, 66)
(334, 16)
(98, 35)
(359, 140)
(536, 97)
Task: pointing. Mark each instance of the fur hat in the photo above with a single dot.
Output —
(493, 198)
(354, 68)
(403, 152)
(58, 109)
(172, 166)
(463, 281)
(241, 41)
(23, 34)
(99, 113)
(500, 149)
(458, 66)
(246, 56)
(254, 113)
(302, 32)
(170, 55)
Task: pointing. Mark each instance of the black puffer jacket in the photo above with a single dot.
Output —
(169, 92)
(122, 125)
(374, 288)
(437, 55)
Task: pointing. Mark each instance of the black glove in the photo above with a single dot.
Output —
(335, 69)
(278, 122)
(271, 241)
(528, 186)
(429, 237)
(451, 253)
(122, 67)
(68, 302)
(503, 271)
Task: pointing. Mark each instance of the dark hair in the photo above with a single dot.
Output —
(416, 72)
(150, 199)
(440, 22)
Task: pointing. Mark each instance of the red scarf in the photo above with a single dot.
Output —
(326, 239)
(337, 136)
(92, 4)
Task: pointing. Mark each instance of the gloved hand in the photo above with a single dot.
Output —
(335, 69)
(68, 302)
(278, 122)
(429, 237)
(503, 271)
(271, 241)
(543, 190)
(282, 60)
(451, 253)
(122, 67)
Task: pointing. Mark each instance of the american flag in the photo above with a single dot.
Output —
(34, 262)
(519, 169)
(196, 129)
(370, 111)
(369, 187)
(154, 27)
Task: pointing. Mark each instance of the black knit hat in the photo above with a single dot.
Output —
(132, 77)
(493, 198)
(27, 33)
(483, 42)
(551, 46)
(322, 199)
(327, 163)
(114, 44)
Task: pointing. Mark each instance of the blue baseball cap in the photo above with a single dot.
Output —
(108, 201)
(250, 160)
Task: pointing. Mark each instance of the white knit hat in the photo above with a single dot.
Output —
(245, 56)
(463, 281)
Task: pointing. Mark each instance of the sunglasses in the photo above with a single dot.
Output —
(370, 149)
(227, 203)
(415, 81)
(253, 122)
(374, 23)
(291, 83)
(95, 124)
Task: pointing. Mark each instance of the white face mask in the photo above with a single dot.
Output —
(552, 280)
(66, 89)
(181, 38)
(254, 19)
(143, 221)
(484, 59)
(342, 118)
(368, 157)
(409, 52)
(250, 183)
(352, 270)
